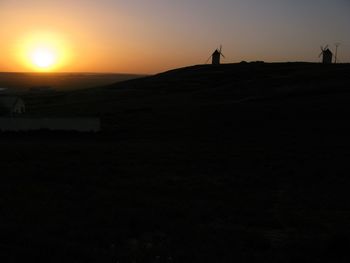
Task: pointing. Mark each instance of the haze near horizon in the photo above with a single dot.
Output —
(153, 36)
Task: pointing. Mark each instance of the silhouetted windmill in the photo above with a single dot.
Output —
(216, 56)
(326, 54)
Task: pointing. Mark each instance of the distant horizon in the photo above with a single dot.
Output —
(71, 72)
(170, 69)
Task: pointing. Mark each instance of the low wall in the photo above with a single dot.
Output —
(53, 124)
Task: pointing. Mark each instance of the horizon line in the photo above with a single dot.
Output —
(147, 74)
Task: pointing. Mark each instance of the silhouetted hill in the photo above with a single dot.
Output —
(232, 91)
(236, 163)
(265, 76)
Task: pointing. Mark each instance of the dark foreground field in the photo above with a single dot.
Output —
(237, 163)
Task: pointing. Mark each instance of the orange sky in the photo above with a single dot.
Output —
(156, 35)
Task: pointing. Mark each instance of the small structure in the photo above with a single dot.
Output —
(327, 55)
(10, 105)
(216, 57)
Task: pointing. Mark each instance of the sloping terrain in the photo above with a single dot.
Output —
(236, 163)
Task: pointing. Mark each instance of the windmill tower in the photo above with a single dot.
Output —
(216, 56)
(327, 55)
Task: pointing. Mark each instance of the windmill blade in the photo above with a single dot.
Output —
(206, 62)
(325, 47)
(336, 60)
(320, 54)
(220, 51)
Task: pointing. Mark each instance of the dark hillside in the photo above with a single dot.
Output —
(227, 93)
(236, 163)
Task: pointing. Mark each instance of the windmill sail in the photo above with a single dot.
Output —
(216, 56)
(327, 55)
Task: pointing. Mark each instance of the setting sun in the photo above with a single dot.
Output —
(43, 52)
(43, 58)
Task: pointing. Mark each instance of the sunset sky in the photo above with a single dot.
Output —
(149, 36)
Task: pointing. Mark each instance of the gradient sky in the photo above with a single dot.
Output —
(149, 36)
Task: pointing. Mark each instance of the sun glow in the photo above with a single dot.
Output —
(44, 52)
(43, 58)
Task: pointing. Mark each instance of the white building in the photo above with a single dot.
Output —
(11, 105)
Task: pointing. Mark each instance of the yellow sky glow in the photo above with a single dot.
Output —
(43, 52)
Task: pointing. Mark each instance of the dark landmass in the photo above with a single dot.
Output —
(235, 163)
(23, 82)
